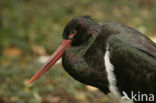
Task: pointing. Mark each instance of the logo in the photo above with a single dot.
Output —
(138, 97)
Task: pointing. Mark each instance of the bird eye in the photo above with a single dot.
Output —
(73, 31)
(72, 34)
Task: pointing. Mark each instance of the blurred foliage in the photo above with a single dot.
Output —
(32, 28)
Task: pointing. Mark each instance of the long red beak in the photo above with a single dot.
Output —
(52, 60)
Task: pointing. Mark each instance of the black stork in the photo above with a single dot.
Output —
(113, 57)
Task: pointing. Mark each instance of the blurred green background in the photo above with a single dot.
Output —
(31, 29)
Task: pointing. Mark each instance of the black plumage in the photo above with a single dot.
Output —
(132, 54)
(132, 57)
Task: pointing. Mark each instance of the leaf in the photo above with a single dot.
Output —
(38, 50)
(154, 39)
(92, 89)
(12, 52)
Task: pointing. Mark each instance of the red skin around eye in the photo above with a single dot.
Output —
(71, 35)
